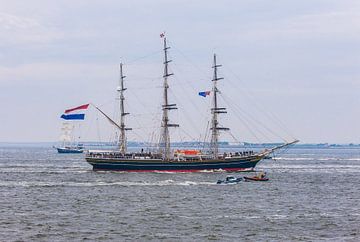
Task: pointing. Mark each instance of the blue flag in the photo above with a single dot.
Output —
(73, 116)
(204, 94)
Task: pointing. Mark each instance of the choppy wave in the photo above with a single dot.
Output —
(31, 168)
(99, 183)
(268, 166)
(310, 197)
(319, 168)
(316, 159)
(312, 166)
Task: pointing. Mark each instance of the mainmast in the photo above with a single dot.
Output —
(123, 129)
(165, 136)
(215, 110)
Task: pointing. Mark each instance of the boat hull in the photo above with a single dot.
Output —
(110, 164)
(255, 179)
(69, 151)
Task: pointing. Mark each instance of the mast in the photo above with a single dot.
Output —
(66, 135)
(123, 129)
(166, 107)
(215, 110)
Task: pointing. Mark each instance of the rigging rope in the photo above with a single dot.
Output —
(236, 140)
(229, 102)
(206, 73)
(207, 132)
(244, 122)
(263, 110)
(189, 117)
(144, 57)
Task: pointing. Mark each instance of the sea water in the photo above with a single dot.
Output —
(312, 194)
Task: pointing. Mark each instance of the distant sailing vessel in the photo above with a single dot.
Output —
(68, 143)
(164, 159)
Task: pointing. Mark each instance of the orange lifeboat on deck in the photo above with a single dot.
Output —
(188, 152)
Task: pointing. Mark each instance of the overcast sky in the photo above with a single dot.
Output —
(291, 68)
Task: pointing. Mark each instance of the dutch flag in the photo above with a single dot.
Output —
(75, 113)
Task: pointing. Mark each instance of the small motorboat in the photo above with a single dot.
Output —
(230, 180)
(255, 178)
(259, 177)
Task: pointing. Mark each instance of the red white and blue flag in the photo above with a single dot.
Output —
(75, 113)
(204, 94)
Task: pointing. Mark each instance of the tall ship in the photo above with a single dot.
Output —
(69, 144)
(166, 159)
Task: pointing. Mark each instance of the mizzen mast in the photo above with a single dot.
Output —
(215, 110)
(123, 129)
(166, 107)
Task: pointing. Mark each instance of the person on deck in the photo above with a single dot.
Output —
(261, 175)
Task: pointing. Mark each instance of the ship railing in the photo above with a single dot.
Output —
(197, 157)
(117, 155)
(238, 154)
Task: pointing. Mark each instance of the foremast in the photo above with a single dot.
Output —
(166, 107)
(215, 111)
(123, 129)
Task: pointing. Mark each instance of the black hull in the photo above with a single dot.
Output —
(113, 164)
